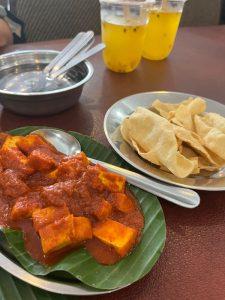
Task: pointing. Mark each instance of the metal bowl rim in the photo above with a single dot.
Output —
(90, 71)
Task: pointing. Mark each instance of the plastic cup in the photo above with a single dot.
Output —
(164, 19)
(124, 25)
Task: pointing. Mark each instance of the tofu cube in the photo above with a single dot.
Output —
(113, 182)
(122, 238)
(48, 215)
(82, 229)
(41, 160)
(122, 202)
(103, 210)
(57, 235)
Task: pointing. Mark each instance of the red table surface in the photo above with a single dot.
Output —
(192, 265)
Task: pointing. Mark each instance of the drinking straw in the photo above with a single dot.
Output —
(126, 10)
(164, 5)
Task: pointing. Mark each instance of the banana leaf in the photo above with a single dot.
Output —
(79, 263)
(12, 288)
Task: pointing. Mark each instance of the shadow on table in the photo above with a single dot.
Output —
(77, 118)
(149, 76)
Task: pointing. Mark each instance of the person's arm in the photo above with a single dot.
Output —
(6, 36)
(11, 28)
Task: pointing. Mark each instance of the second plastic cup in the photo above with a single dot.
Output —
(123, 32)
(162, 28)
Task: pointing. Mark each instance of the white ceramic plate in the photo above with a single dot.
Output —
(123, 108)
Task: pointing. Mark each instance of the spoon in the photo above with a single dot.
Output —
(77, 59)
(81, 42)
(77, 44)
(69, 145)
(73, 54)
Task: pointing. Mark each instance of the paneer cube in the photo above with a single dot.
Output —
(113, 182)
(48, 215)
(53, 175)
(82, 229)
(41, 160)
(100, 179)
(122, 238)
(72, 167)
(12, 185)
(92, 177)
(57, 235)
(67, 231)
(57, 194)
(31, 142)
(122, 202)
(103, 210)
(11, 142)
(24, 207)
(38, 180)
(80, 159)
(14, 159)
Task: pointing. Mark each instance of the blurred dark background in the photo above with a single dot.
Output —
(54, 19)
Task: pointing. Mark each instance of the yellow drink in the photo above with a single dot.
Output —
(124, 45)
(161, 34)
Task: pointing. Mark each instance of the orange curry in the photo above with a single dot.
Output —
(65, 202)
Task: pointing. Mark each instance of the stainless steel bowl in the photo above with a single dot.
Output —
(46, 102)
